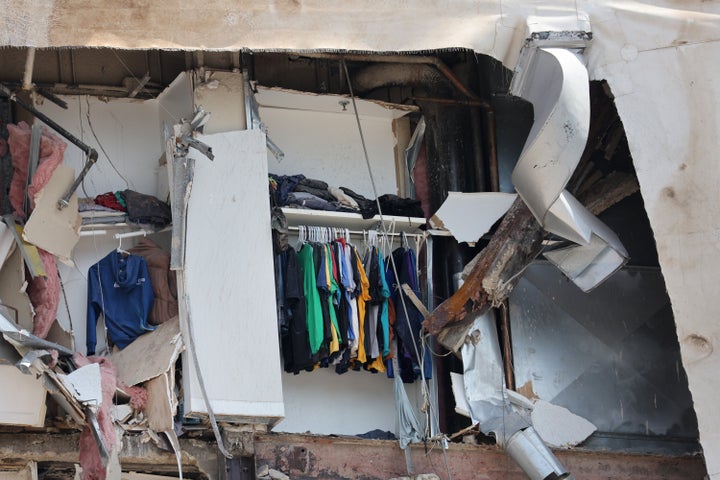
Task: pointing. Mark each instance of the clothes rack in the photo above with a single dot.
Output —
(360, 232)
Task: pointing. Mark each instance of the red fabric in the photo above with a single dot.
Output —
(109, 200)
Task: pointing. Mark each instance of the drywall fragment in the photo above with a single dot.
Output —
(145, 476)
(27, 473)
(263, 470)
(59, 335)
(26, 404)
(7, 243)
(277, 475)
(121, 413)
(84, 383)
(458, 389)
(558, 426)
(159, 407)
(53, 230)
(63, 397)
(483, 375)
(519, 400)
(12, 291)
(150, 355)
(468, 216)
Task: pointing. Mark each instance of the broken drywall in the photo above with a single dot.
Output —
(484, 208)
(158, 351)
(54, 230)
(558, 426)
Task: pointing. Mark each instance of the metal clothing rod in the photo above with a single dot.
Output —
(360, 232)
(136, 233)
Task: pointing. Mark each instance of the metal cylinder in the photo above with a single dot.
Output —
(534, 457)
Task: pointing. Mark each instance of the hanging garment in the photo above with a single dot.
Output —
(119, 288)
(409, 320)
(352, 290)
(363, 297)
(323, 286)
(162, 279)
(314, 312)
(296, 344)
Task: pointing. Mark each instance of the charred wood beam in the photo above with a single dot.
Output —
(608, 191)
(499, 266)
(514, 245)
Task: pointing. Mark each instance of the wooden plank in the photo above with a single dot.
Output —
(498, 267)
(515, 243)
(159, 405)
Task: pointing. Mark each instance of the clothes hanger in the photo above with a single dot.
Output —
(120, 249)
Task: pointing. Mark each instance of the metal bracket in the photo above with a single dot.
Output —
(179, 143)
(90, 152)
(252, 117)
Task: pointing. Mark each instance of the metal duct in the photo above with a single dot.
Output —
(556, 82)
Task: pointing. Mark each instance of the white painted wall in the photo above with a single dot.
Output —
(326, 146)
(324, 402)
(229, 282)
(129, 131)
(669, 102)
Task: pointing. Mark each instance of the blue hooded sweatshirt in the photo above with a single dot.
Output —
(119, 288)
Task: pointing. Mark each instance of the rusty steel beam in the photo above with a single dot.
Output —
(311, 457)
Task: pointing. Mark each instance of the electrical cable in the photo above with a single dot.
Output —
(177, 120)
(420, 358)
(87, 114)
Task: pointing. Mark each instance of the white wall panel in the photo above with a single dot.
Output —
(230, 281)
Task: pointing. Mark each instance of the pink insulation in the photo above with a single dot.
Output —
(44, 292)
(52, 149)
(89, 456)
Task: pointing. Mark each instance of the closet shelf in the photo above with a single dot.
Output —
(353, 221)
(90, 227)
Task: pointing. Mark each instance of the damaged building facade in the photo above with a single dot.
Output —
(288, 240)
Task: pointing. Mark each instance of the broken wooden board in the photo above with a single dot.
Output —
(54, 230)
(25, 403)
(150, 355)
(12, 290)
(159, 407)
(498, 267)
(515, 244)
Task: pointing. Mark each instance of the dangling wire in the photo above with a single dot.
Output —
(421, 358)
